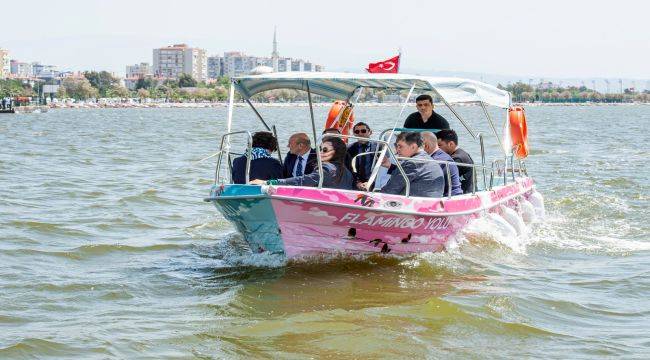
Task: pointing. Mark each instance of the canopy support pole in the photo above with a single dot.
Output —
(382, 154)
(494, 129)
(313, 129)
(231, 104)
(277, 143)
(453, 111)
(258, 114)
(359, 92)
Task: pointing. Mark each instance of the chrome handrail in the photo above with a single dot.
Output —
(473, 166)
(480, 140)
(500, 165)
(448, 172)
(390, 152)
(248, 153)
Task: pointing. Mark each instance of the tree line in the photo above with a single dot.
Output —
(102, 84)
(549, 93)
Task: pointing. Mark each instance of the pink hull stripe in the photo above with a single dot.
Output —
(314, 221)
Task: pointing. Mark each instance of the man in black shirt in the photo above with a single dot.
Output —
(448, 142)
(363, 164)
(425, 117)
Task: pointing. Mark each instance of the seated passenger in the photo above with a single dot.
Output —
(425, 177)
(448, 142)
(263, 166)
(363, 164)
(348, 159)
(431, 147)
(301, 158)
(335, 174)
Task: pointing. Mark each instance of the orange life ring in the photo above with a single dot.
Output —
(518, 131)
(340, 116)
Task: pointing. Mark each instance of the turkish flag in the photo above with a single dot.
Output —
(387, 66)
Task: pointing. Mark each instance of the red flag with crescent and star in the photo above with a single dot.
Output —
(390, 66)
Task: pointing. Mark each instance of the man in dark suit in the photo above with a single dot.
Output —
(425, 177)
(301, 158)
(362, 164)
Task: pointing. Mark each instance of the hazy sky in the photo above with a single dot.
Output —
(524, 38)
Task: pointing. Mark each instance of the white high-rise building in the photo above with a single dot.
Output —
(138, 71)
(297, 65)
(237, 63)
(172, 61)
(5, 65)
(21, 69)
(214, 66)
(44, 71)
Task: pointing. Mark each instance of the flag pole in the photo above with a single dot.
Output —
(399, 54)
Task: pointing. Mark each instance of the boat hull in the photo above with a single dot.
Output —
(301, 221)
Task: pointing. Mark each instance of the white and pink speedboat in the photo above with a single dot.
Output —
(306, 221)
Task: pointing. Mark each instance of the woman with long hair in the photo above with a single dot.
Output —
(335, 174)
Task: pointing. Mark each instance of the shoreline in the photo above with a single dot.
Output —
(181, 105)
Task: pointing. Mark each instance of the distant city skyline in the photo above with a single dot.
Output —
(550, 40)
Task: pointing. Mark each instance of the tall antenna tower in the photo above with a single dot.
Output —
(607, 85)
(620, 83)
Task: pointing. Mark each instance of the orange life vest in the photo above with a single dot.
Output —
(518, 131)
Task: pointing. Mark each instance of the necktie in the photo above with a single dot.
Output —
(299, 166)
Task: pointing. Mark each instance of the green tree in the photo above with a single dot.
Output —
(118, 91)
(14, 88)
(103, 81)
(143, 93)
(79, 88)
(61, 92)
(144, 83)
(186, 80)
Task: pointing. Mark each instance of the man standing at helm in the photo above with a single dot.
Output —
(425, 117)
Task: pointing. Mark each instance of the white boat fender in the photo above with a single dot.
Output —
(538, 203)
(502, 225)
(527, 211)
(513, 219)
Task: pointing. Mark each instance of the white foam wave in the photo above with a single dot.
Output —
(490, 230)
(565, 233)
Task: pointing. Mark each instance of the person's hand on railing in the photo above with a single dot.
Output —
(257, 182)
(363, 186)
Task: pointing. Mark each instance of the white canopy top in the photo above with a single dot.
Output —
(343, 85)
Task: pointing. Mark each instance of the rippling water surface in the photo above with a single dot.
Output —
(108, 251)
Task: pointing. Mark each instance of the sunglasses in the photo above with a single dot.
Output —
(325, 149)
(361, 131)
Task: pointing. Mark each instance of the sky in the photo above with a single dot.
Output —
(553, 39)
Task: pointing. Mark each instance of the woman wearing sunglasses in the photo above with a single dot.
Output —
(335, 174)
